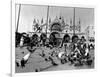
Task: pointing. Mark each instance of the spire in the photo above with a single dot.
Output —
(70, 22)
(79, 21)
(37, 21)
(60, 16)
(67, 23)
(56, 17)
(33, 26)
(34, 21)
(63, 22)
(79, 25)
(71, 27)
(42, 21)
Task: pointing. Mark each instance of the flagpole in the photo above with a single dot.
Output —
(47, 19)
(18, 17)
(79, 25)
(74, 22)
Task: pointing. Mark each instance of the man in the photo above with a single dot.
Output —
(43, 38)
(21, 41)
(66, 40)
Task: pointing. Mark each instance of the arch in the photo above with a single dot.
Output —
(54, 39)
(75, 38)
(43, 38)
(66, 38)
(56, 26)
(34, 40)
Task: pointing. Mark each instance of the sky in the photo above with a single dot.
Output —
(30, 12)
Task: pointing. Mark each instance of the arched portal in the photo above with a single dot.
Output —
(56, 27)
(55, 39)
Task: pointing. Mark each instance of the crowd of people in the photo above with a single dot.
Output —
(76, 50)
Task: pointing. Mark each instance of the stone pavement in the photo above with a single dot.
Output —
(38, 63)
